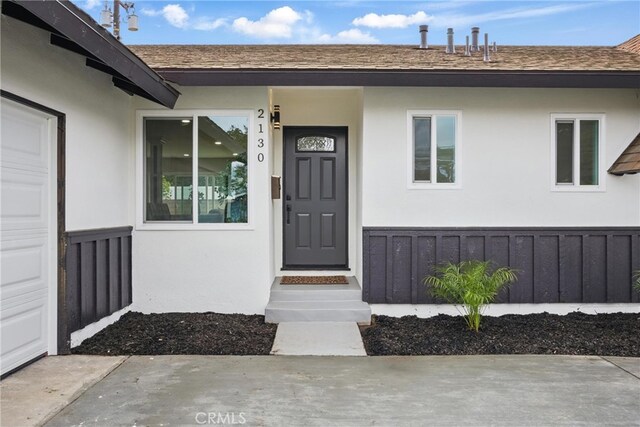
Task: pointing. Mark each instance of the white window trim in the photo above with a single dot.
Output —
(420, 185)
(139, 166)
(602, 175)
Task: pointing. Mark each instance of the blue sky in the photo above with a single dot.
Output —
(386, 22)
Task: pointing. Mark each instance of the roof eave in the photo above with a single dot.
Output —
(429, 78)
(85, 36)
(629, 161)
(622, 171)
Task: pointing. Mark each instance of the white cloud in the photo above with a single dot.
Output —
(459, 20)
(151, 12)
(276, 24)
(451, 19)
(175, 15)
(373, 20)
(178, 17)
(535, 12)
(90, 4)
(448, 5)
(353, 36)
(308, 16)
(209, 25)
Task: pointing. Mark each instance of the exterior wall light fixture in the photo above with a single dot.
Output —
(275, 117)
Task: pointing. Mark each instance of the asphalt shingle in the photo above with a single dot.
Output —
(629, 160)
(631, 45)
(387, 57)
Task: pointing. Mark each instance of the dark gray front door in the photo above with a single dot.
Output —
(315, 197)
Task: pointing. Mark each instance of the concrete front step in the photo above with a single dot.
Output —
(348, 292)
(317, 303)
(318, 311)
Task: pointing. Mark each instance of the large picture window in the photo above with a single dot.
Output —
(434, 149)
(577, 147)
(195, 168)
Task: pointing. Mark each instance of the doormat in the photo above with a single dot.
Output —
(314, 280)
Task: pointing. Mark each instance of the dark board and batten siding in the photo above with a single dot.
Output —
(98, 267)
(556, 265)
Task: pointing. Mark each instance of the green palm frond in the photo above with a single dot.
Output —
(471, 284)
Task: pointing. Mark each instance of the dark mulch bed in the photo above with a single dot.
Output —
(576, 333)
(183, 333)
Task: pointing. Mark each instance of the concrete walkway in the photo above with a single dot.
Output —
(362, 391)
(318, 339)
(36, 393)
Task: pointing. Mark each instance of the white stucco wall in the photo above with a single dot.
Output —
(505, 160)
(505, 172)
(226, 271)
(98, 122)
(98, 126)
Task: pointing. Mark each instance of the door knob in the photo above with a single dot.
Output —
(288, 214)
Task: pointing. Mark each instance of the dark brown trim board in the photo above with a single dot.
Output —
(532, 79)
(99, 278)
(64, 336)
(556, 264)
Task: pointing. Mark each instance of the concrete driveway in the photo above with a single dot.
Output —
(359, 391)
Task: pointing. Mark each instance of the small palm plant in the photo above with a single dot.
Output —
(471, 284)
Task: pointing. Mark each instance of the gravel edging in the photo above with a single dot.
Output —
(182, 333)
(616, 334)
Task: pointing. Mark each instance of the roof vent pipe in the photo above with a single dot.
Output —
(486, 48)
(475, 31)
(424, 29)
(450, 46)
(494, 48)
(467, 52)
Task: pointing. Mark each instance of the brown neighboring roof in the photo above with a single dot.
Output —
(383, 57)
(629, 160)
(631, 45)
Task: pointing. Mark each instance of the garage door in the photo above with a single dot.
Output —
(26, 242)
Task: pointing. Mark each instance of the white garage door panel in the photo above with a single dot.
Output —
(24, 200)
(23, 264)
(23, 333)
(25, 138)
(26, 268)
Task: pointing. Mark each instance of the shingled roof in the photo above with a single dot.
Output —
(392, 65)
(631, 45)
(384, 57)
(629, 160)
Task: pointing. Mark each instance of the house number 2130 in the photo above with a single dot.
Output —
(260, 134)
